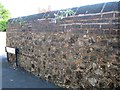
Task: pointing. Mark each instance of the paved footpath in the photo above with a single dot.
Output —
(18, 78)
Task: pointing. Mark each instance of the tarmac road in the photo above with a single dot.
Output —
(19, 78)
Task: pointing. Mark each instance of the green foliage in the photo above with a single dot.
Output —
(2, 25)
(64, 13)
(21, 21)
(4, 16)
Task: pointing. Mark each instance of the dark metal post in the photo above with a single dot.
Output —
(7, 55)
(16, 54)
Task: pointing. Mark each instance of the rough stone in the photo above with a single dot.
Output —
(92, 81)
(76, 57)
(98, 72)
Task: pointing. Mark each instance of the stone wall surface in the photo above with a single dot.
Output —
(80, 51)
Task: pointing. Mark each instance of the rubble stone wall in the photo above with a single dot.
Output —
(80, 51)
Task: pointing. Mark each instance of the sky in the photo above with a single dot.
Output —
(20, 8)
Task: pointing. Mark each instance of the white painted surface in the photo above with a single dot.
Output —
(10, 50)
(2, 43)
(2, 53)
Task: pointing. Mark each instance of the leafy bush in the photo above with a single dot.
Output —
(3, 25)
(4, 16)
